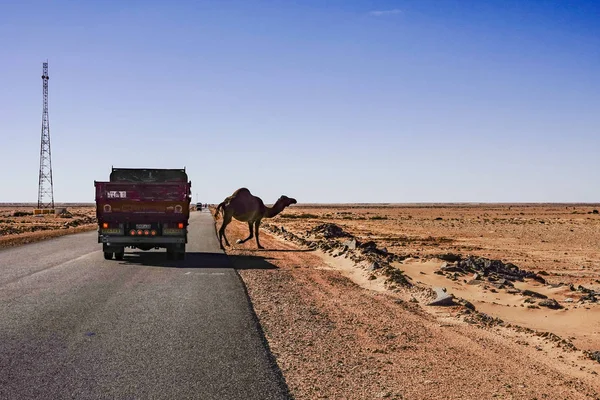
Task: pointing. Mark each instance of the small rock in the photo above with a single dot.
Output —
(539, 279)
(450, 268)
(595, 355)
(449, 257)
(351, 244)
(374, 265)
(467, 304)
(370, 245)
(550, 303)
(531, 293)
(442, 299)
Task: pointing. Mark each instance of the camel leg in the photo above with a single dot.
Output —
(226, 221)
(249, 237)
(256, 225)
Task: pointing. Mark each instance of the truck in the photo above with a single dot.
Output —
(145, 209)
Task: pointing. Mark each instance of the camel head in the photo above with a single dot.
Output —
(279, 205)
(286, 201)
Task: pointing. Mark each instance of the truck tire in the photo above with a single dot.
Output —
(108, 255)
(170, 254)
(180, 254)
(119, 255)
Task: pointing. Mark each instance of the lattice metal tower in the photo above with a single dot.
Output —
(45, 190)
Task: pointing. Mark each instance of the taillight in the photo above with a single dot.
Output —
(180, 225)
(139, 232)
(105, 225)
(153, 233)
(178, 209)
(132, 232)
(146, 232)
(107, 208)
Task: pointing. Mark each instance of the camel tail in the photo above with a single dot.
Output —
(219, 207)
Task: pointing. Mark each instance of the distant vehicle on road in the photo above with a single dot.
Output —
(199, 206)
(145, 209)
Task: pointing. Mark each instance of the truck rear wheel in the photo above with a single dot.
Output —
(119, 255)
(108, 255)
(180, 252)
(170, 254)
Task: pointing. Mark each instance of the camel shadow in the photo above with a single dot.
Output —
(196, 260)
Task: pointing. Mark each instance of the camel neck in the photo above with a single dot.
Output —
(273, 211)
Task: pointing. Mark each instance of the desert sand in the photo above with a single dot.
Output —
(19, 226)
(341, 327)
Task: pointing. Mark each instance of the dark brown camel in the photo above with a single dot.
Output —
(245, 207)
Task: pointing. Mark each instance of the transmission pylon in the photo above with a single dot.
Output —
(45, 188)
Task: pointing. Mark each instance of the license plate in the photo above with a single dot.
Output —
(172, 231)
(111, 230)
(142, 226)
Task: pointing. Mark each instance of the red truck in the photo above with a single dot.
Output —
(145, 209)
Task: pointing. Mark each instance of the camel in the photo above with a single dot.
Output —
(244, 206)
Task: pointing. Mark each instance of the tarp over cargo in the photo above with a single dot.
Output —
(148, 175)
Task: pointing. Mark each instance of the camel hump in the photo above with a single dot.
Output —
(241, 191)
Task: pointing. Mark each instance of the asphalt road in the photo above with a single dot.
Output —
(73, 325)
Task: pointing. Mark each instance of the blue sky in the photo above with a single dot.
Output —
(324, 101)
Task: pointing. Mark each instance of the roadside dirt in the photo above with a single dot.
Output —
(19, 226)
(338, 330)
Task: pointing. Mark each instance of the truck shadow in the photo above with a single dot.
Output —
(197, 260)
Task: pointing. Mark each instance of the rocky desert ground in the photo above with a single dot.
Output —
(347, 300)
(18, 224)
(413, 301)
